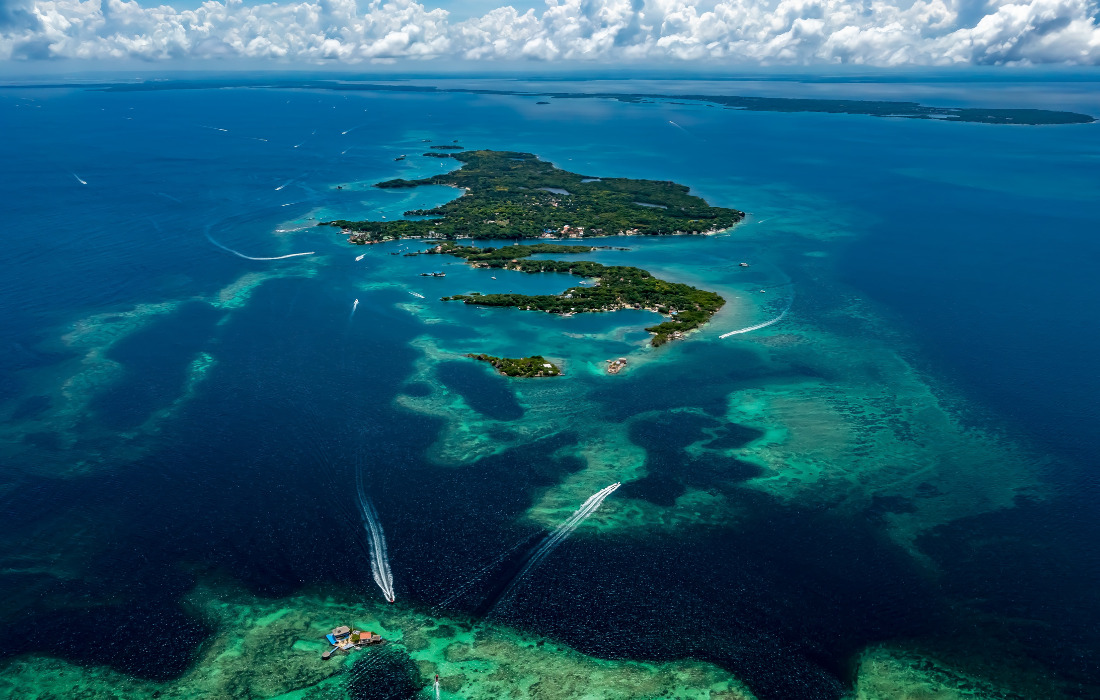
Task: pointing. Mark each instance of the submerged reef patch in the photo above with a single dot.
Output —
(65, 433)
(272, 648)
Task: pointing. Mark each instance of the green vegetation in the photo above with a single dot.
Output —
(616, 287)
(450, 147)
(508, 196)
(534, 366)
(437, 155)
(499, 257)
(516, 195)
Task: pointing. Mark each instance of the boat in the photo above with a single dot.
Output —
(344, 638)
(360, 257)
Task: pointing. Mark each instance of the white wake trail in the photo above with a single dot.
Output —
(551, 542)
(78, 179)
(758, 326)
(249, 257)
(379, 558)
(477, 576)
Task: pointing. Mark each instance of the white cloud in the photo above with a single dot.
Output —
(767, 32)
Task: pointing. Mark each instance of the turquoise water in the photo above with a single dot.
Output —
(859, 476)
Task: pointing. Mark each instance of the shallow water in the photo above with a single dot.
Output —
(851, 483)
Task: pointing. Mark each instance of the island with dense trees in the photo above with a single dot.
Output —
(512, 195)
(613, 287)
(534, 366)
(498, 257)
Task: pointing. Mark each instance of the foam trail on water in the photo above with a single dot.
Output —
(551, 541)
(458, 593)
(379, 559)
(677, 126)
(354, 306)
(306, 139)
(78, 179)
(758, 326)
(283, 185)
(249, 257)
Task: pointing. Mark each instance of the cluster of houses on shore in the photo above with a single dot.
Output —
(566, 231)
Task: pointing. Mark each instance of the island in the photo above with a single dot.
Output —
(513, 195)
(874, 108)
(534, 366)
(614, 287)
(497, 257)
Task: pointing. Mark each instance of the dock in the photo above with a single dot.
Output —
(346, 639)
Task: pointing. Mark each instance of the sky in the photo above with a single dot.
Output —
(221, 34)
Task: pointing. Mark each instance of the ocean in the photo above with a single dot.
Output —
(890, 490)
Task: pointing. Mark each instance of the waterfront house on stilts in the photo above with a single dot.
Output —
(346, 639)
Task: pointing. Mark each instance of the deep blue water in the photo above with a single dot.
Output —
(976, 242)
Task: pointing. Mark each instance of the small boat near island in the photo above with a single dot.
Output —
(344, 638)
(415, 294)
(360, 257)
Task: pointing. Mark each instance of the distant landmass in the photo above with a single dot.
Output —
(874, 108)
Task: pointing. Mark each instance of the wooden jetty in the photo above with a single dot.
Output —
(345, 638)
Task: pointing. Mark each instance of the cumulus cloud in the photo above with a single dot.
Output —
(764, 32)
(17, 15)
